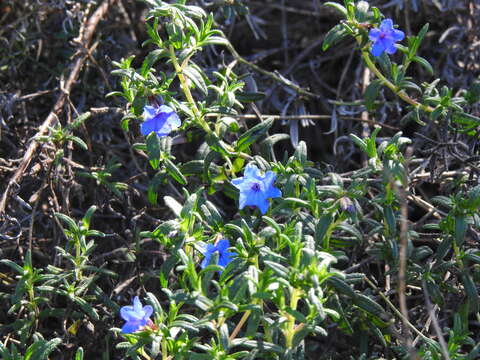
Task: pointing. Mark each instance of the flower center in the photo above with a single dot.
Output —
(382, 35)
(255, 187)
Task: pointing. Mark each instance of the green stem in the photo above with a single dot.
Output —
(290, 332)
(399, 92)
(458, 257)
(186, 90)
(164, 349)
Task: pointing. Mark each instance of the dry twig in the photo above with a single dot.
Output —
(80, 57)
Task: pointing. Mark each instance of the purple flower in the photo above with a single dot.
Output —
(161, 120)
(256, 189)
(136, 316)
(347, 205)
(224, 256)
(385, 37)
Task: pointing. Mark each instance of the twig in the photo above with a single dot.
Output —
(239, 325)
(307, 116)
(402, 272)
(273, 75)
(427, 206)
(80, 57)
(395, 310)
(436, 326)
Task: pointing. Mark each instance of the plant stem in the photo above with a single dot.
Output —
(164, 349)
(240, 325)
(291, 320)
(186, 90)
(399, 92)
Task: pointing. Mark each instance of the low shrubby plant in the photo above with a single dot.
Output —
(268, 257)
(275, 278)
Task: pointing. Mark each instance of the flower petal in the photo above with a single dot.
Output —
(238, 182)
(386, 25)
(391, 49)
(147, 312)
(206, 261)
(137, 306)
(251, 170)
(254, 198)
(269, 179)
(174, 121)
(148, 126)
(378, 48)
(263, 206)
(165, 109)
(374, 34)
(273, 192)
(208, 249)
(225, 258)
(130, 326)
(149, 112)
(223, 245)
(242, 201)
(398, 35)
(128, 313)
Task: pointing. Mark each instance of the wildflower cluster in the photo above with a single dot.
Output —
(224, 237)
(285, 257)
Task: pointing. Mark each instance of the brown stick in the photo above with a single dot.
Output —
(84, 40)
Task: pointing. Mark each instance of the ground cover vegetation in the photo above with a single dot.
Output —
(239, 179)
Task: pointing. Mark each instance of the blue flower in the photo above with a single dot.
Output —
(347, 205)
(256, 189)
(161, 120)
(385, 37)
(136, 316)
(224, 256)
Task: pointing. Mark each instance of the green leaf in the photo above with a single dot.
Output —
(174, 172)
(194, 74)
(337, 33)
(13, 265)
(88, 216)
(68, 220)
(79, 354)
(151, 59)
(371, 93)
(139, 103)
(390, 220)
(359, 142)
(250, 96)
(173, 204)
(460, 229)
(341, 286)
(471, 291)
(258, 345)
(279, 269)
(216, 40)
(79, 142)
(252, 135)
(42, 349)
(153, 149)
(422, 61)
(301, 153)
(367, 304)
(189, 207)
(338, 7)
(322, 227)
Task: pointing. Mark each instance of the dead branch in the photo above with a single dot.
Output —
(84, 40)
